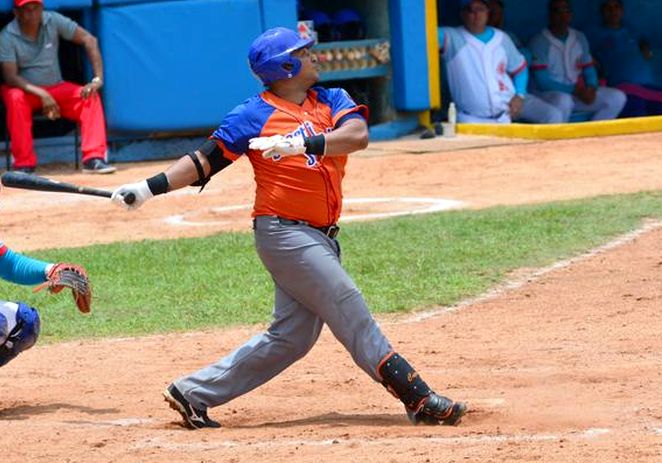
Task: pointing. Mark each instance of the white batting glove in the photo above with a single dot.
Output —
(140, 192)
(278, 146)
(264, 143)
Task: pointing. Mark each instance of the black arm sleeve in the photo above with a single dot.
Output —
(217, 162)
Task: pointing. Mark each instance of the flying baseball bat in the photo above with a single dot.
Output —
(35, 182)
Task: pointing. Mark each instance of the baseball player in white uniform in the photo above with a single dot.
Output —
(487, 75)
(564, 71)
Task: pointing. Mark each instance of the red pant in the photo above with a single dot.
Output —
(87, 112)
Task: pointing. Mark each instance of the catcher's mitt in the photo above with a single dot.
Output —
(72, 276)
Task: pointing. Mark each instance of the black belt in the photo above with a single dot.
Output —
(330, 230)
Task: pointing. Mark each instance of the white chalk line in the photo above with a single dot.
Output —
(166, 443)
(533, 275)
(121, 423)
(431, 205)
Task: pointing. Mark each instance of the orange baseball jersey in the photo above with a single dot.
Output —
(306, 187)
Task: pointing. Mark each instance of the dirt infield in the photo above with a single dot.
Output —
(563, 367)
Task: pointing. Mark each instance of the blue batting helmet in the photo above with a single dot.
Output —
(270, 54)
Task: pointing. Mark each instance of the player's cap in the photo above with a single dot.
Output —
(270, 55)
(466, 3)
(20, 3)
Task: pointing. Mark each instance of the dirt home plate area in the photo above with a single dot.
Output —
(562, 366)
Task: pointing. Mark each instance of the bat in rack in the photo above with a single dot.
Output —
(35, 182)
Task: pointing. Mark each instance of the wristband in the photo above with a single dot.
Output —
(158, 184)
(315, 145)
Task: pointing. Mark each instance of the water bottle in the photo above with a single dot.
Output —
(452, 114)
(449, 129)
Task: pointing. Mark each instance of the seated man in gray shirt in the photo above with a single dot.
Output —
(32, 81)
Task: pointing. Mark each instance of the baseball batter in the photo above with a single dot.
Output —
(19, 323)
(564, 70)
(297, 138)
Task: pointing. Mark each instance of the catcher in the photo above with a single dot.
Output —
(20, 323)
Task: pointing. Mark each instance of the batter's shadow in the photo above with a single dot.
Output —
(25, 411)
(336, 419)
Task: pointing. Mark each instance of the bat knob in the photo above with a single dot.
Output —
(129, 198)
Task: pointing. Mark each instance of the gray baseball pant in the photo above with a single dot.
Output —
(311, 288)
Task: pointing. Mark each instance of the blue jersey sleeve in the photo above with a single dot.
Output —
(243, 123)
(340, 102)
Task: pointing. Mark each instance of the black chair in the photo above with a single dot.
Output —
(41, 123)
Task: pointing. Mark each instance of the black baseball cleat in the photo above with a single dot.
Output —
(438, 409)
(97, 166)
(193, 418)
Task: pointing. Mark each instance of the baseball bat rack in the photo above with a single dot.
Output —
(353, 59)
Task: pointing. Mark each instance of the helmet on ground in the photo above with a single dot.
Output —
(270, 56)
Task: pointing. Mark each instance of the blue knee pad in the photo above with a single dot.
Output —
(23, 336)
(4, 328)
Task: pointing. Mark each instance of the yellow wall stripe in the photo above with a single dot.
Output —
(434, 77)
(562, 131)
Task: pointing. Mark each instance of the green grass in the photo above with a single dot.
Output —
(399, 264)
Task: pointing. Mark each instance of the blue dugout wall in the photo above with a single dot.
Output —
(175, 65)
(180, 65)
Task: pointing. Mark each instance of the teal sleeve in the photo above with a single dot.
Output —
(521, 81)
(591, 76)
(22, 270)
(545, 82)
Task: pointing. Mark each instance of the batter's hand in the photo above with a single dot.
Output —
(140, 190)
(278, 146)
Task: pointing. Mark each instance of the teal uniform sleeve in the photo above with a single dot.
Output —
(521, 81)
(591, 76)
(21, 269)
